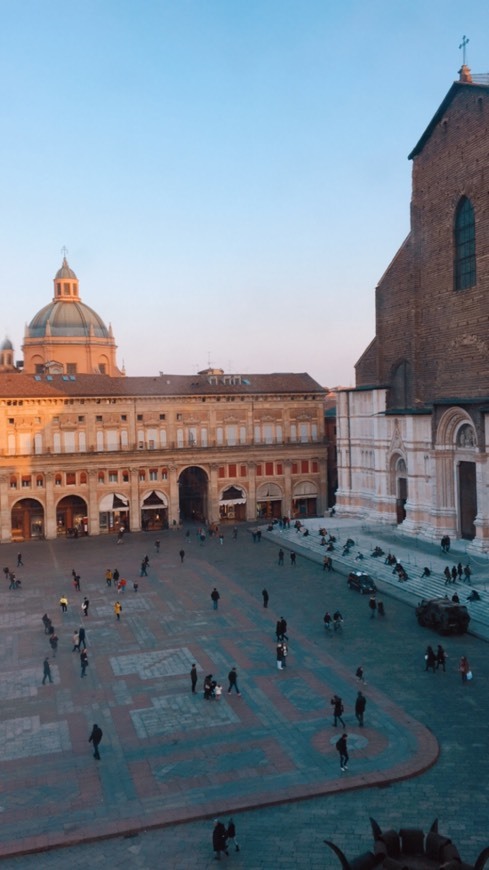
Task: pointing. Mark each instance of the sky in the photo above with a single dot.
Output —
(230, 178)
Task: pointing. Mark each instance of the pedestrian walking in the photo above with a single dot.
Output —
(464, 669)
(233, 681)
(430, 659)
(342, 747)
(157, 546)
(108, 577)
(360, 704)
(115, 576)
(219, 839)
(76, 641)
(372, 606)
(215, 598)
(46, 671)
(280, 656)
(53, 643)
(280, 557)
(135, 585)
(283, 629)
(467, 573)
(360, 675)
(221, 539)
(143, 572)
(460, 571)
(63, 603)
(94, 739)
(182, 556)
(76, 583)
(231, 834)
(292, 559)
(82, 636)
(193, 677)
(266, 597)
(118, 610)
(285, 652)
(235, 533)
(20, 563)
(85, 606)
(441, 657)
(338, 710)
(83, 661)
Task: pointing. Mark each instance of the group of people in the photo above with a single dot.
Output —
(213, 689)
(334, 622)
(14, 582)
(435, 660)
(220, 837)
(457, 572)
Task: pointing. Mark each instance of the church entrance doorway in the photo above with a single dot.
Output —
(401, 500)
(193, 499)
(467, 490)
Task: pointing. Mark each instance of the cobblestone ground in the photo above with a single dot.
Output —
(137, 689)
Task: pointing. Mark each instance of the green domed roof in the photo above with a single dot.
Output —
(67, 319)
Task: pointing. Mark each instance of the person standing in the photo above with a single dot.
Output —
(360, 675)
(115, 576)
(338, 710)
(283, 629)
(157, 545)
(76, 582)
(82, 636)
(85, 606)
(360, 704)
(215, 598)
(83, 662)
(76, 641)
(219, 839)
(231, 834)
(108, 577)
(193, 677)
(430, 659)
(46, 671)
(292, 559)
(464, 668)
(441, 657)
(342, 747)
(94, 739)
(233, 681)
(118, 610)
(182, 556)
(144, 572)
(280, 557)
(20, 563)
(266, 597)
(373, 606)
(63, 603)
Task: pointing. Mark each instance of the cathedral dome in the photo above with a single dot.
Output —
(61, 319)
(6, 344)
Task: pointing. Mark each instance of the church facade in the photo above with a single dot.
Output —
(86, 450)
(413, 435)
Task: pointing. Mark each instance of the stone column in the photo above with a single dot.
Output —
(50, 529)
(93, 511)
(134, 507)
(251, 500)
(213, 495)
(5, 515)
(287, 506)
(174, 506)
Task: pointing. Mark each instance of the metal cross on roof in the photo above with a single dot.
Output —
(462, 45)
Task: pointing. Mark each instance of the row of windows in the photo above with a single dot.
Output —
(153, 439)
(232, 470)
(269, 469)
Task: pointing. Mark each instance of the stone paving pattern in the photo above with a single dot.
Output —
(172, 759)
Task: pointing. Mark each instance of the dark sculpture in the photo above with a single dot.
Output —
(409, 849)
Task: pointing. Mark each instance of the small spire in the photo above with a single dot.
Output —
(464, 71)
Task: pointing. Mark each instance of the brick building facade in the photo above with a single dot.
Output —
(413, 434)
(86, 450)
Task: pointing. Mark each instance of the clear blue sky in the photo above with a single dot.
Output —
(230, 178)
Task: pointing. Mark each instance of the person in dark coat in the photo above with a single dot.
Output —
(95, 738)
(219, 839)
(231, 834)
(46, 671)
(83, 662)
(441, 657)
(82, 637)
(182, 555)
(430, 659)
(338, 710)
(266, 597)
(193, 678)
(280, 656)
(360, 704)
(215, 598)
(233, 681)
(341, 746)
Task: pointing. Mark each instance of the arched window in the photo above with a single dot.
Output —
(465, 272)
